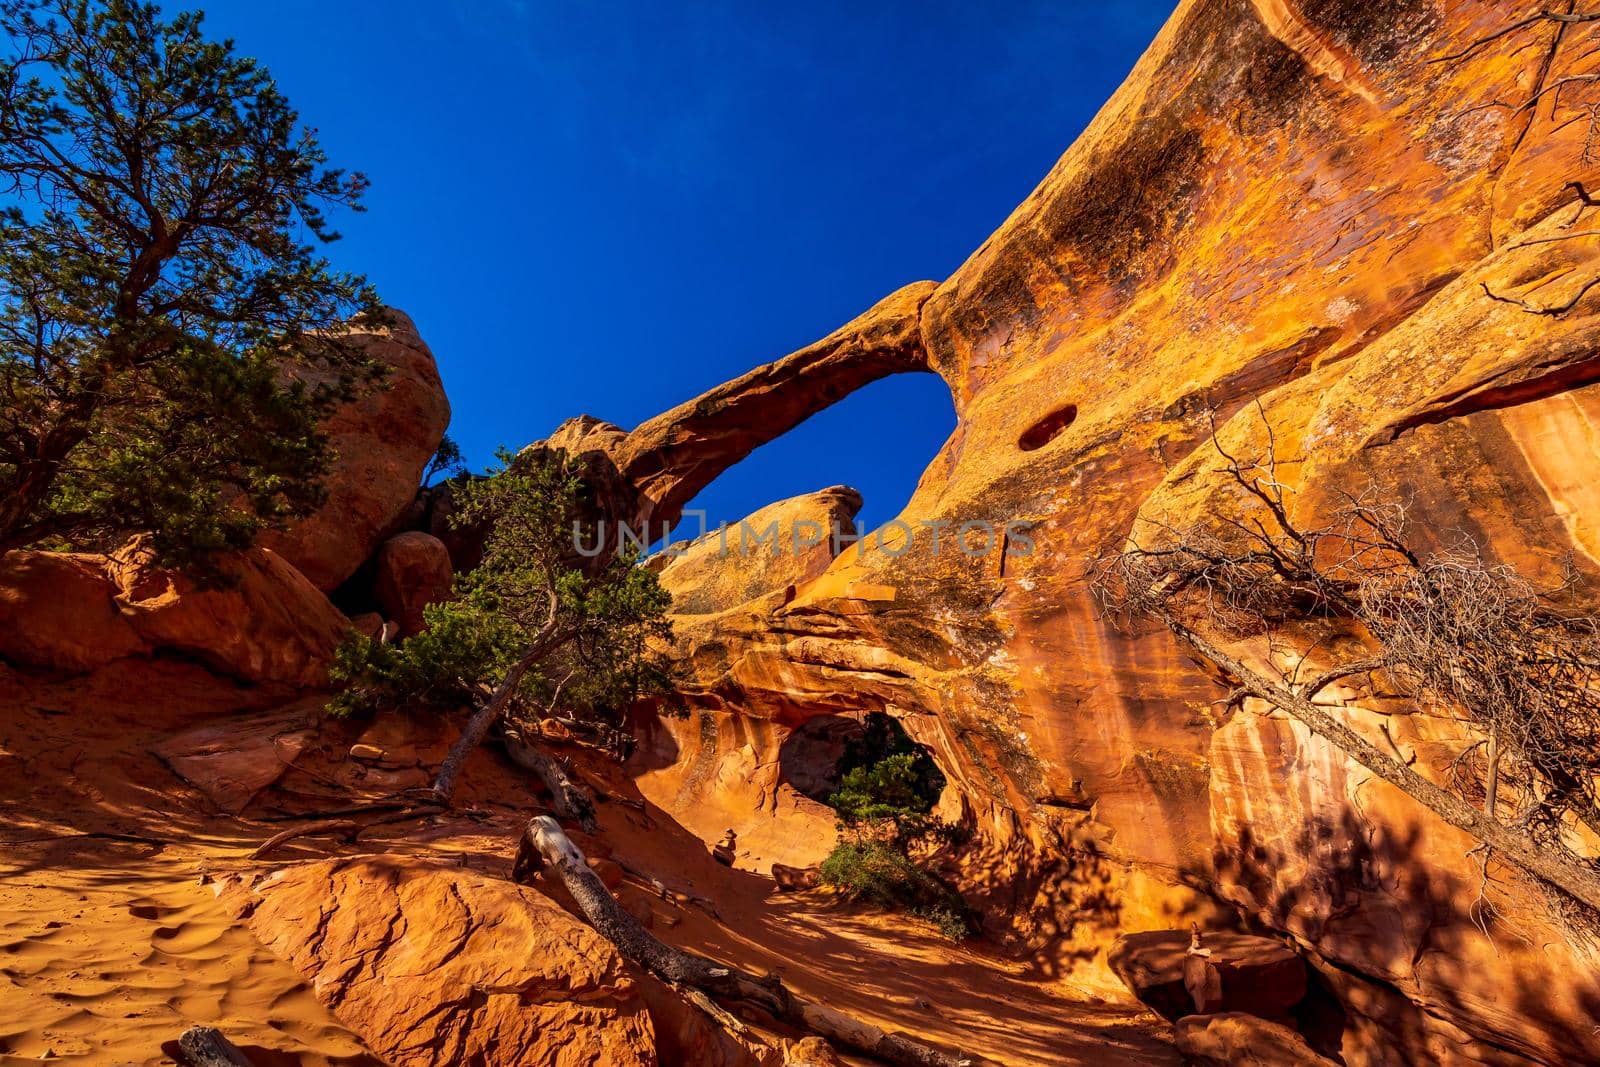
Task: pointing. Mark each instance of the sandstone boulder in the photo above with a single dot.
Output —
(384, 440)
(233, 759)
(1257, 974)
(398, 751)
(776, 548)
(610, 871)
(263, 622)
(413, 571)
(58, 611)
(1234, 1039)
(795, 878)
(260, 622)
(435, 966)
(371, 625)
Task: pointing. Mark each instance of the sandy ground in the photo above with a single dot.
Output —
(894, 972)
(111, 942)
(110, 949)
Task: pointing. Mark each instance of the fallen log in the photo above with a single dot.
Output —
(349, 828)
(544, 843)
(204, 1046)
(567, 798)
(328, 826)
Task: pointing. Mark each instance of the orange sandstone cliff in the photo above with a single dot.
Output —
(1361, 216)
(1363, 226)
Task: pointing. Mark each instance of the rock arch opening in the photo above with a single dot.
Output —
(877, 440)
(817, 759)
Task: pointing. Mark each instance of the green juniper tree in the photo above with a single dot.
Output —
(447, 462)
(156, 196)
(534, 627)
(888, 787)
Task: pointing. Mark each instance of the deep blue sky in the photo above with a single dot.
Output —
(606, 208)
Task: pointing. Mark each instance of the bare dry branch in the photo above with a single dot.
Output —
(1452, 631)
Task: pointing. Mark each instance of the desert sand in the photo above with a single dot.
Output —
(113, 940)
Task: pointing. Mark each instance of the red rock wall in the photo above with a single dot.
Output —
(1359, 214)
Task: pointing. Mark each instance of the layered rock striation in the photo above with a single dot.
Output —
(1346, 233)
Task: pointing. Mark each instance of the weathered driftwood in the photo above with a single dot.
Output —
(568, 799)
(349, 828)
(327, 826)
(544, 844)
(204, 1046)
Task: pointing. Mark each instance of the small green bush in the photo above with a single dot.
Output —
(885, 790)
(887, 780)
(879, 873)
(438, 669)
(883, 737)
(583, 637)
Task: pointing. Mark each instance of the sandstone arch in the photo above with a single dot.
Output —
(647, 475)
(1359, 214)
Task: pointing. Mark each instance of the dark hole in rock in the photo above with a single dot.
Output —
(817, 757)
(810, 756)
(1046, 429)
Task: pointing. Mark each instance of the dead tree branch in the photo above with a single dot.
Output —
(1553, 310)
(568, 799)
(1579, 880)
(1521, 24)
(328, 826)
(1451, 631)
(543, 844)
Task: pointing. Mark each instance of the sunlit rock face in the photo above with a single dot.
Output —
(717, 756)
(1359, 215)
(261, 623)
(383, 441)
(434, 965)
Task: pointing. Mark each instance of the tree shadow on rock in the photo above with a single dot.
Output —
(1414, 948)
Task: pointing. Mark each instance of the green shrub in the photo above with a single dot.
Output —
(888, 787)
(579, 638)
(884, 790)
(883, 737)
(888, 780)
(439, 669)
(879, 873)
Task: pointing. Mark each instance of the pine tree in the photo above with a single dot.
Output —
(155, 284)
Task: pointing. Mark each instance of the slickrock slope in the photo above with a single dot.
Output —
(436, 965)
(131, 907)
(1361, 215)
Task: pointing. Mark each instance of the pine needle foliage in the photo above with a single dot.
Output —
(169, 335)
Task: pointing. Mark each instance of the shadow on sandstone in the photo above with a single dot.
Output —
(1400, 943)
